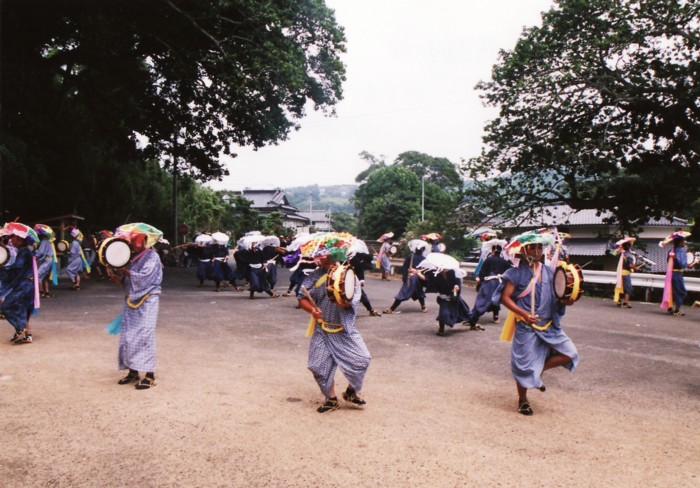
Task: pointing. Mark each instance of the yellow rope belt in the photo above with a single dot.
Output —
(324, 326)
(136, 305)
(509, 326)
(677, 270)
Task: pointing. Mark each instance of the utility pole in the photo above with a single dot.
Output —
(422, 198)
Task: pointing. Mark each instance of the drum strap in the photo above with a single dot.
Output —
(140, 301)
(325, 326)
(508, 330)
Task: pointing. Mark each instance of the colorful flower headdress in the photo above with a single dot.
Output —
(675, 235)
(540, 236)
(332, 245)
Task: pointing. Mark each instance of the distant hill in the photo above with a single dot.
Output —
(334, 197)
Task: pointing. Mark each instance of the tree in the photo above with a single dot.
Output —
(272, 225)
(345, 222)
(375, 163)
(387, 201)
(144, 79)
(598, 108)
(440, 171)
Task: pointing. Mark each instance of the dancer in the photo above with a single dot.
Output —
(19, 291)
(411, 287)
(383, 261)
(46, 259)
(335, 341)
(674, 289)
(534, 318)
(259, 283)
(76, 260)
(359, 262)
(141, 280)
(625, 267)
(489, 278)
(447, 283)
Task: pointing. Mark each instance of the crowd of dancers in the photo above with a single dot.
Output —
(328, 278)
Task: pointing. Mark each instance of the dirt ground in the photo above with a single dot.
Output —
(235, 405)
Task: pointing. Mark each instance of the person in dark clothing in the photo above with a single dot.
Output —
(411, 287)
(361, 262)
(489, 279)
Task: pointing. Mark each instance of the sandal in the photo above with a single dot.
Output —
(350, 395)
(330, 405)
(388, 311)
(678, 313)
(524, 408)
(130, 378)
(145, 383)
(18, 336)
(424, 309)
(374, 313)
(475, 327)
(286, 294)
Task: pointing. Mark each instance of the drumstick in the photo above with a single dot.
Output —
(308, 296)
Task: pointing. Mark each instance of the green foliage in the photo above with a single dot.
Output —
(598, 108)
(94, 88)
(375, 163)
(272, 225)
(439, 171)
(345, 222)
(387, 201)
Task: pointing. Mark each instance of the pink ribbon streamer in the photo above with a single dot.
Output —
(37, 302)
(667, 300)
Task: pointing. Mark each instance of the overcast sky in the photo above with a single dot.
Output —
(411, 70)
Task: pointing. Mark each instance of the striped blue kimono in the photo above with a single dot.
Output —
(137, 342)
(345, 349)
(531, 347)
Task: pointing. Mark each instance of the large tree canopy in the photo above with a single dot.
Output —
(440, 171)
(599, 108)
(87, 81)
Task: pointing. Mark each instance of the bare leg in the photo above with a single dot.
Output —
(555, 360)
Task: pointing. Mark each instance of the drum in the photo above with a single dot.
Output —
(393, 250)
(114, 252)
(62, 246)
(340, 285)
(568, 281)
(693, 259)
(4, 255)
(442, 247)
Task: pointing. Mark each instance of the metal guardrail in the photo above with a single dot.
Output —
(645, 280)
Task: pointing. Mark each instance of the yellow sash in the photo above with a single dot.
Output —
(312, 321)
(140, 301)
(508, 330)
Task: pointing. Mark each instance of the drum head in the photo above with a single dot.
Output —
(560, 282)
(4, 255)
(62, 246)
(392, 250)
(114, 252)
(349, 286)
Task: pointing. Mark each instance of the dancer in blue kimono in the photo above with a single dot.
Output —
(18, 290)
(335, 340)
(141, 280)
(45, 259)
(447, 283)
(674, 287)
(76, 260)
(489, 278)
(411, 287)
(534, 320)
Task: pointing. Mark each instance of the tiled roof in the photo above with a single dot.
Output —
(587, 247)
(565, 215)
